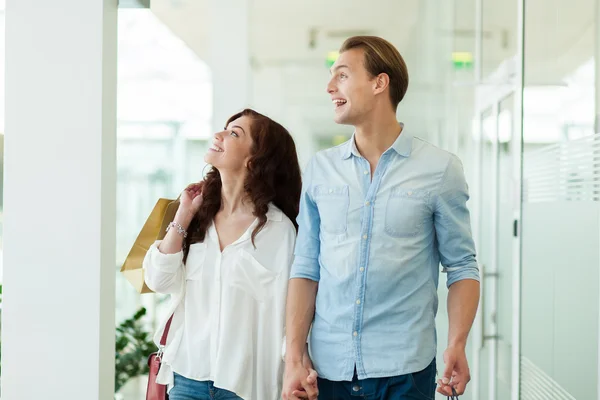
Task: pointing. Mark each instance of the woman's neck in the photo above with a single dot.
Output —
(234, 199)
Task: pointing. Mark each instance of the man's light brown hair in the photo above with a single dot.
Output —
(382, 57)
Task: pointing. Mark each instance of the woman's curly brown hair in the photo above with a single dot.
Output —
(273, 176)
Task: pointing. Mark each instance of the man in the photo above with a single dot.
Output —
(377, 216)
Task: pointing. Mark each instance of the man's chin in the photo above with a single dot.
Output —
(341, 120)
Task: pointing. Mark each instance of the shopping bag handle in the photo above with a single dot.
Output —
(454, 395)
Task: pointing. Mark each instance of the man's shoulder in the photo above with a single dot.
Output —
(432, 153)
(333, 152)
(330, 155)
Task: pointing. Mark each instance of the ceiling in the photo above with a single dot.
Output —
(289, 41)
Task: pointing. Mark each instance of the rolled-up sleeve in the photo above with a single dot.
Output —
(306, 261)
(453, 226)
(163, 272)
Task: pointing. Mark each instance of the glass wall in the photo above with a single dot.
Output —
(530, 156)
(560, 259)
(536, 334)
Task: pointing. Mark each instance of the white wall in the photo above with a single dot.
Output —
(59, 231)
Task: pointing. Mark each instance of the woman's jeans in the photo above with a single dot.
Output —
(189, 389)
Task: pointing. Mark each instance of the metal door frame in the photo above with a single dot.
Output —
(490, 97)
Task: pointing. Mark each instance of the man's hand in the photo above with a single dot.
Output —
(456, 373)
(300, 380)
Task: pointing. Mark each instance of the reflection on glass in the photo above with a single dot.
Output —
(506, 205)
(498, 37)
(486, 244)
(164, 119)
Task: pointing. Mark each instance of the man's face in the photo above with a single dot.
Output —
(351, 88)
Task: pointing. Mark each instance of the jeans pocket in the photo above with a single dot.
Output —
(185, 389)
(423, 382)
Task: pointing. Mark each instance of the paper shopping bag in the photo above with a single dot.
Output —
(154, 229)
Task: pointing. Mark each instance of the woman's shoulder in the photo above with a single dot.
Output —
(280, 221)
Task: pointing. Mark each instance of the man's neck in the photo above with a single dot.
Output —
(375, 136)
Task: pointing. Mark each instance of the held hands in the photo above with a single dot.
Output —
(300, 380)
(456, 373)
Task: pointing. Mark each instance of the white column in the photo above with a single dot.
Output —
(597, 84)
(597, 127)
(58, 326)
(229, 58)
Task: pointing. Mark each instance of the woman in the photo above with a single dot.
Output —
(225, 260)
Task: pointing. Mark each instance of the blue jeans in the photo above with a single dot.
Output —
(189, 389)
(416, 386)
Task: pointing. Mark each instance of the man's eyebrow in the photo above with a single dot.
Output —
(337, 67)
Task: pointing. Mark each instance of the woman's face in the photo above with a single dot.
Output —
(230, 149)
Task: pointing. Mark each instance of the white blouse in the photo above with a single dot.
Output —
(229, 308)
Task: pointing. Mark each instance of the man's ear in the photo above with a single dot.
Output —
(381, 82)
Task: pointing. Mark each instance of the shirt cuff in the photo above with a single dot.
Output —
(168, 263)
(466, 272)
(306, 268)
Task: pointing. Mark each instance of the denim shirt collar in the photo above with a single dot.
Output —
(402, 145)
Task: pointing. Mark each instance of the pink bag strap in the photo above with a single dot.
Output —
(163, 339)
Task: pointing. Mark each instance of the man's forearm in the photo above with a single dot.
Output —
(463, 299)
(300, 311)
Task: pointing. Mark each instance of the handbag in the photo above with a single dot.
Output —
(154, 229)
(156, 391)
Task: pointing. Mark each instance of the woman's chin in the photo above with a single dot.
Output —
(210, 158)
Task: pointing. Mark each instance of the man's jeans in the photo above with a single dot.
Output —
(417, 386)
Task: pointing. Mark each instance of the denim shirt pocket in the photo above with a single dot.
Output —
(406, 211)
(333, 203)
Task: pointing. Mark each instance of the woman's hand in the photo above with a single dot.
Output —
(189, 204)
(191, 198)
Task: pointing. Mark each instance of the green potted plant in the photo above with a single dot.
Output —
(133, 345)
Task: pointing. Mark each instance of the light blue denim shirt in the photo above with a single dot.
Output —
(375, 244)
